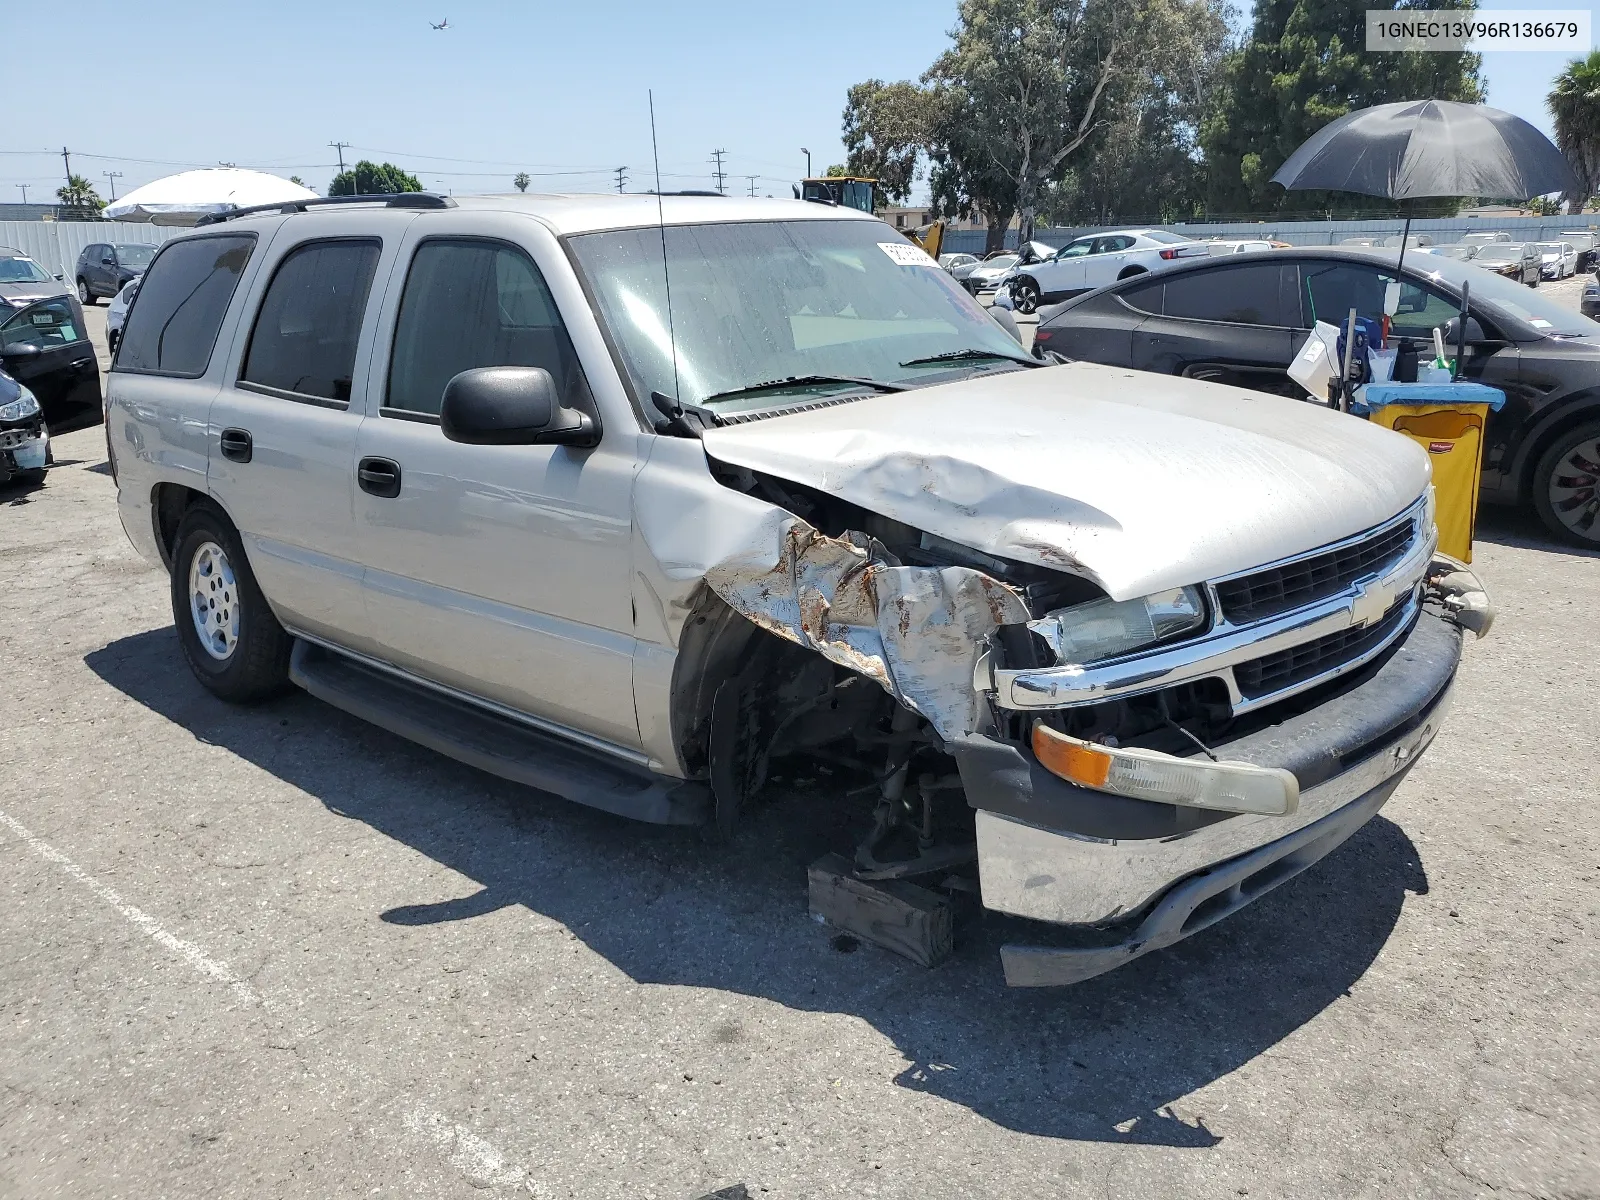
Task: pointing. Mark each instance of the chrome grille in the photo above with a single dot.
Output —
(1303, 581)
(1275, 672)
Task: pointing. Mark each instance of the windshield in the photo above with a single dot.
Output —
(135, 255)
(1550, 247)
(1500, 252)
(1499, 294)
(759, 301)
(1162, 236)
(21, 270)
(1004, 262)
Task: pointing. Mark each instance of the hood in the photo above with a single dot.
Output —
(1139, 482)
(19, 294)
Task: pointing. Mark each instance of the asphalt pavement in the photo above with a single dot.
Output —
(278, 952)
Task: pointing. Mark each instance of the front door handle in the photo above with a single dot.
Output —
(237, 445)
(379, 477)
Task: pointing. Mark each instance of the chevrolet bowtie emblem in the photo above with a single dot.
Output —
(1371, 601)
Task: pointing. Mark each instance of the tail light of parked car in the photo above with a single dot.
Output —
(1195, 251)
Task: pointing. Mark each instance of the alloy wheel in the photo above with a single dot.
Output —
(1574, 489)
(214, 601)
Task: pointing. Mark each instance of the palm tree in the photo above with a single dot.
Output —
(1575, 104)
(80, 193)
(522, 181)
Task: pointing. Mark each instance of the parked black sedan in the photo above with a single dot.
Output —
(44, 347)
(1240, 319)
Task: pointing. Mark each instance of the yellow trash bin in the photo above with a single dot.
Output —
(1446, 420)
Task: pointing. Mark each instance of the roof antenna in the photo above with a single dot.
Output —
(670, 407)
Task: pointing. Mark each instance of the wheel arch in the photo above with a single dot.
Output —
(168, 502)
(1573, 412)
(1130, 271)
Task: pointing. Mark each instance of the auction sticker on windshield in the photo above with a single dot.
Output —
(906, 254)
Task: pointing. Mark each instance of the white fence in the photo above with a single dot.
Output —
(54, 245)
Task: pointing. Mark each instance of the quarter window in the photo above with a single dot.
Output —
(183, 299)
(476, 304)
(304, 342)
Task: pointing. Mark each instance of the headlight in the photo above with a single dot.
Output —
(1106, 628)
(24, 405)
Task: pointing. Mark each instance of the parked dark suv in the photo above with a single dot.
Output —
(104, 267)
(1240, 319)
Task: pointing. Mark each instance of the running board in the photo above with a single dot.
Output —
(492, 743)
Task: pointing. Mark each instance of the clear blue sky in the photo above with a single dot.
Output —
(548, 88)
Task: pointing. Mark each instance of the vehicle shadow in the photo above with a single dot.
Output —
(1102, 1061)
(1520, 528)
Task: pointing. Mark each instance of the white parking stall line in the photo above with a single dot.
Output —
(475, 1158)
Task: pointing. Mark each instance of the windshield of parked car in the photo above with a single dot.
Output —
(1551, 247)
(762, 301)
(1500, 252)
(135, 255)
(1165, 238)
(1543, 313)
(1004, 263)
(16, 269)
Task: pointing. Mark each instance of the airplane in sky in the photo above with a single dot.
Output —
(442, 25)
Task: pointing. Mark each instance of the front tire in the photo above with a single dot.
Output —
(1566, 486)
(85, 296)
(233, 643)
(1025, 296)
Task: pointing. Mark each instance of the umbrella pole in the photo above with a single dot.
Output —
(1404, 238)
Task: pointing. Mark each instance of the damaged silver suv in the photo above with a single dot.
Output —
(632, 499)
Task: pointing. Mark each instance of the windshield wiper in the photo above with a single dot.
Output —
(961, 355)
(791, 381)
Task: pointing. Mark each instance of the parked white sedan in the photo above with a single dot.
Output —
(1557, 260)
(117, 314)
(1096, 260)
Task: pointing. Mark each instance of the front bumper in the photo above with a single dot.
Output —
(1134, 876)
(24, 446)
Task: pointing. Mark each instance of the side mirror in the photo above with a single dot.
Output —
(58, 277)
(22, 350)
(511, 406)
(1004, 319)
(1475, 334)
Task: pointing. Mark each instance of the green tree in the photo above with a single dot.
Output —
(1040, 78)
(297, 179)
(79, 194)
(836, 171)
(521, 181)
(885, 134)
(964, 179)
(372, 179)
(1306, 64)
(1574, 102)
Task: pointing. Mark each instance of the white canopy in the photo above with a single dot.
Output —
(183, 199)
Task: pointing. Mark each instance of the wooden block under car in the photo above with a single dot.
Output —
(891, 913)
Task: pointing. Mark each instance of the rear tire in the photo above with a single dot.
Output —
(233, 643)
(85, 296)
(1566, 494)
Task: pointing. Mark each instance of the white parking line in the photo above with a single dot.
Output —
(478, 1160)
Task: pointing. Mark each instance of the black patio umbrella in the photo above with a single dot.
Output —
(1428, 148)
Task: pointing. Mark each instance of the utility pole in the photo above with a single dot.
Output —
(717, 172)
(752, 179)
(622, 178)
(807, 153)
(113, 176)
(24, 188)
(67, 158)
(341, 147)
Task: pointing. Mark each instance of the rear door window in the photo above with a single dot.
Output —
(1245, 294)
(304, 341)
(182, 301)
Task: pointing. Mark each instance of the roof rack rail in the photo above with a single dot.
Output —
(389, 199)
(686, 192)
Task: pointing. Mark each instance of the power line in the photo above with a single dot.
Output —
(622, 178)
(718, 173)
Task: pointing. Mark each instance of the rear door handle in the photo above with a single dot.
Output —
(379, 477)
(237, 445)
